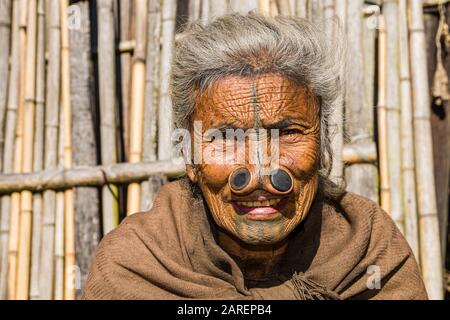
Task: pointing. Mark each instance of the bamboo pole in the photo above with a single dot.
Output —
(430, 251)
(328, 10)
(26, 204)
(205, 14)
(390, 12)
(59, 247)
(5, 31)
(59, 208)
(407, 139)
(18, 159)
(194, 9)
(24, 259)
(38, 152)
(125, 63)
(149, 145)
(165, 120)
(301, 8)
(218, 8)
(8, 155)
(273, 9)
(341, 12)
(107, 92)
(264, 7)
(293, 7)
(51, 148)
(243, 7)
(284, 7)
(137, 101)
(317, 10)
(69, 219)
(385, 190)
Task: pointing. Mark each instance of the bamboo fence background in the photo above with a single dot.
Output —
(85, 123)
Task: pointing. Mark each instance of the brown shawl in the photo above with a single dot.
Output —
(170, 252)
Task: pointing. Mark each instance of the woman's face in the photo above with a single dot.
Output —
(260, 214)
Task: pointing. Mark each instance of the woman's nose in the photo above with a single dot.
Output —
(244, 181)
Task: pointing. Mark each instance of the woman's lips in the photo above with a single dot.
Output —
(262, 209)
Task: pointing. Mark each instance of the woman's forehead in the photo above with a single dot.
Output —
(240, 101)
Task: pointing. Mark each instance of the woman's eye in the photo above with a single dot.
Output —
(217, 135)
(288, 132)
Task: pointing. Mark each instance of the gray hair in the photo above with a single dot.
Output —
(252, 44)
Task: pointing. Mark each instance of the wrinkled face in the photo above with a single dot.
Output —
(259, 213)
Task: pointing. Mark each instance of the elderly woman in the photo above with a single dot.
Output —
(264, 227)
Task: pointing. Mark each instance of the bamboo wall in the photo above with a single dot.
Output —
(85, 123)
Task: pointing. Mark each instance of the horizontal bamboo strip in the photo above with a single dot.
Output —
(359, 153)
(123, 173)
(431, 3)
(127, 46)
(88, 176)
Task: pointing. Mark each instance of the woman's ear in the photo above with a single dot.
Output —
(191, 172)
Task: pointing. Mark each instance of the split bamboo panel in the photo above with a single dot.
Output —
(84, 144)
(360, 178)
(69, 219)
(125, 7)
(336, 133)
(107, 93)
(149, 140)
(390, 11)
(430, 249)
(411, 231)
(337, 117)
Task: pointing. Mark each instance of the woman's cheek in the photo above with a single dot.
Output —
(301, 159)
(215, 176)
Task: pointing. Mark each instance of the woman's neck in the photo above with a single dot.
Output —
(257, 262)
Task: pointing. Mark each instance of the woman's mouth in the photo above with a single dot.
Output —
(261, 209)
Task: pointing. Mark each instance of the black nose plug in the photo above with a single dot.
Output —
(240, 179)
(281, 180)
